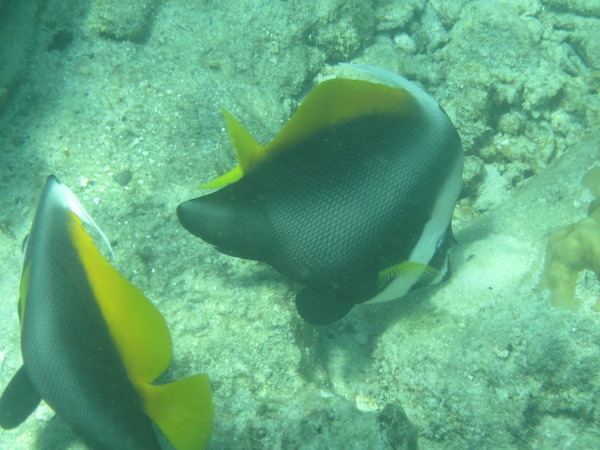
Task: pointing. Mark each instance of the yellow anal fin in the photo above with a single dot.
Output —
(182, 410)
(407, 268)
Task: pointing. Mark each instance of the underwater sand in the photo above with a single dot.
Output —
(89, 89)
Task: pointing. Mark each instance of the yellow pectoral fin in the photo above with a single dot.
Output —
(137, 328)
(182, 410)
(416, 270)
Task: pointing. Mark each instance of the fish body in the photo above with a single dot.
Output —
(363, 178)
(92, 343)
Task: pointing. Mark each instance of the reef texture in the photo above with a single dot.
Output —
(519, 79)
(115, 19)
(96, 89)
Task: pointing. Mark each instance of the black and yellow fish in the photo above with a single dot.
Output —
(92, 343)
(352, 199)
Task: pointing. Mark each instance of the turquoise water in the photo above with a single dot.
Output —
(91, 89)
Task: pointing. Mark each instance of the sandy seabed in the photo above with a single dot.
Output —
(90, 89)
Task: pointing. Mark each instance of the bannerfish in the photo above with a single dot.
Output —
(92, 343)
(352, 199)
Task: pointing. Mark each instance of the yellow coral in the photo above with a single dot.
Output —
(572, 249)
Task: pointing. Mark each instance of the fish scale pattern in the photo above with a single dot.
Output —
(63, 327)
(346, 203)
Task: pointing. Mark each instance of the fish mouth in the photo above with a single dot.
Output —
(190, 216)
(217, 223)
(205, 219)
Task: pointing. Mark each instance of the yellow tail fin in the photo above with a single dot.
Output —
(182, 410)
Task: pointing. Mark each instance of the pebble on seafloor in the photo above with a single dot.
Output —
(123, 178)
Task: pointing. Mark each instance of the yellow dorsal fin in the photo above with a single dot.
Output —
(410, 268)
(137, 328)
(247, 151)
(182, 410)
(331, 102)
(230, 177)
(337, 100)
